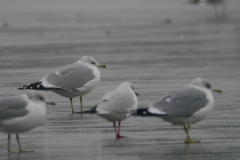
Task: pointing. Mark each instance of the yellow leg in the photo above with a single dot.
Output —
(9, 141)
(81, 103)
(72, 106)
(19, 145)
(188, 140)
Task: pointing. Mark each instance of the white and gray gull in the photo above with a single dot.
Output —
(117, 105)
(22, 113)
(70, 81)
(184, 107)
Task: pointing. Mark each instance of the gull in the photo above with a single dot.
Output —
(215, 4)
(117, 105)
(21, 113)
(70, 81)
(187, 106)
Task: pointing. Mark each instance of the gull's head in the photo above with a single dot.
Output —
(92, 61)
(204, 83)
(127, 85)
(39, 98)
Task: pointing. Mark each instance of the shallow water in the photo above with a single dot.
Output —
(159, 47)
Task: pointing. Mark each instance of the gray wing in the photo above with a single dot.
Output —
(183, 103)
(12, 107)
(116, 102)
(71, 76)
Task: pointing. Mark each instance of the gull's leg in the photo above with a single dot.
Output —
(9, 141)
(118, 134)
(188, 139)
(72, 106)
(186, 129)
(19, 145)
(81, 103)
(223, 9)
(114, 126)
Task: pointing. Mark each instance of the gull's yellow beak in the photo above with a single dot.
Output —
(102, 66)
(217, 90)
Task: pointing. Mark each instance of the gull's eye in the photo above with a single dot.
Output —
(41, 98)
(209, 86)
(93, 63)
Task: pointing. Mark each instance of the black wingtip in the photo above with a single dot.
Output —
(91, 111)
(38, 86)
(141, 112)
(145, 112)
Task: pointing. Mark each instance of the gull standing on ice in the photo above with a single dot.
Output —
(215, 4)
(184, 107)
(70, 81)
(21, 113)
(118, 105)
